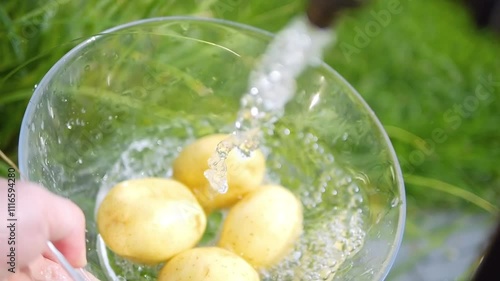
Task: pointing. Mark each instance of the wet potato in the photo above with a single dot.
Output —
(156, 220)
(244, 174)
(207, 264)
(150, 220)
(264, 226)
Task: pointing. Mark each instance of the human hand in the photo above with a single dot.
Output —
(41, 217)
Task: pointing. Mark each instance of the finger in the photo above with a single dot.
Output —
(41, 216)
(42, 269)
(47, 270)
(47, 253)
(67, 232)
(63, 222)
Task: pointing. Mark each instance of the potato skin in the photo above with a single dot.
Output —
(207, 264)
(244, 174)
(150, 220)
(263, 227)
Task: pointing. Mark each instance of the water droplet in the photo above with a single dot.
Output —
(184, 26)
(87, 67)
(329, 158)
(353, 188)
(275, 76)
(51, 111)
(254, 111)
(254, 91)
(325, 273)
(345, 136)
(357, 199)
(395, 202)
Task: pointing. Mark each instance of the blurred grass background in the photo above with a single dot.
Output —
(430, 75)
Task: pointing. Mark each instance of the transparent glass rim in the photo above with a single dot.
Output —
(23, 165)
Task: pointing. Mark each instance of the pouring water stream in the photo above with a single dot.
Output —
(271, 86)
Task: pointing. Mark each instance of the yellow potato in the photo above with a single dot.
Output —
(207, 264)
(150, 220)
(243, 173)
(263, 227)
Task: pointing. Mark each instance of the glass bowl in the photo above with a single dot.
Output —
(123, 103)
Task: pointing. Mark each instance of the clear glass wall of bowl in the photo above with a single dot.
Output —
(123, 103)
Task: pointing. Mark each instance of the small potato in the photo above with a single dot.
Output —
(263, 227)
(207, 264)
(243, 173)
(150, 220)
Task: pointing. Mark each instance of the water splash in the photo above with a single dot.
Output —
(334, 202)
(272, 85)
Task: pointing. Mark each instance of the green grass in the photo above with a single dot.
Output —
(428, 60)
(421, 63)
(415, 71)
